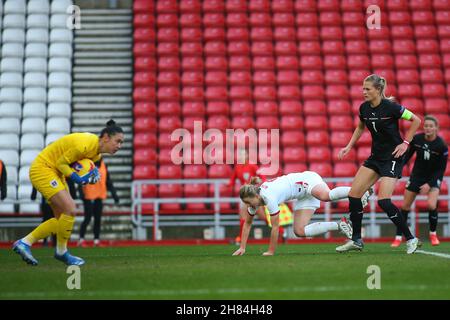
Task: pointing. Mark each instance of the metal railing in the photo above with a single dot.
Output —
(218, 220)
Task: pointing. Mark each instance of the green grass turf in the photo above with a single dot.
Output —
(308, 271)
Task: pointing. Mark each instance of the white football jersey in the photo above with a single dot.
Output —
(288, 187)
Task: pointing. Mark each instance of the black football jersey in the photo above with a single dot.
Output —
(382, 122)
(431, 157)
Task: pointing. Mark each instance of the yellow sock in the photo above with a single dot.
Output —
(42, 231)
(65, 225)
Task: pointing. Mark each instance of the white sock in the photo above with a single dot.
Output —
(26, 241)
(317, 228)
(432, 233)
(339, 193)
(398, 237)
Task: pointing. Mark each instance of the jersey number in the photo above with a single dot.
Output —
(393, 165)
(426, 155)
(374, 128)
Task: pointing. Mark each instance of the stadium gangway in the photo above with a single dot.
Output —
(140, 221)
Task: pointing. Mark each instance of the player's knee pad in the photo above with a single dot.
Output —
(388, 207)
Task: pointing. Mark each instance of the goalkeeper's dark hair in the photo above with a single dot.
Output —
(111, 129)
(250, 190)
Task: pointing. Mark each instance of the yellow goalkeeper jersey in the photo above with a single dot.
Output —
(68, 149)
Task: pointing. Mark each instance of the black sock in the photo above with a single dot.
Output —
(356, 216)
(433, 219)
(396, 217)
(405, 218)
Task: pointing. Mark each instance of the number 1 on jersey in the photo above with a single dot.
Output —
(374, 128)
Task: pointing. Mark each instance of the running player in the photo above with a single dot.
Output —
(308, 189)
(48, 173)
(381, 116)
(427, 174)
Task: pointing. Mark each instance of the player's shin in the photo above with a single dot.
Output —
(65, 226)
(356, 216)
(42, 231)
(433, 219)
(339, 193)
(318, 228)
(396, 217)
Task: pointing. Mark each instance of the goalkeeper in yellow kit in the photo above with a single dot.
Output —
(48, 173)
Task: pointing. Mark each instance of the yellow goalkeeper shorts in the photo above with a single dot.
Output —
(48, 181)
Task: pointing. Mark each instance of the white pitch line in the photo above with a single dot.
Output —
(437, 254)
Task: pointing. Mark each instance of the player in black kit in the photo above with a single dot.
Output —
(427, 173)
(381, 116)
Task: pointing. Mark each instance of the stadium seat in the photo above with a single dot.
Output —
(34, 109)
(318, 154)
(219, 122)
(316, 122)
(294, 167)
(168, 123)
(259, 63)
(142, 6)
(290, 107)
(145, 156)
(219, 63)
(317, 137)
(333, 47)
(313, 77)
(435, 105)
(11, 79)
(237, 19)
(195, 171)
(307, 33)
(309, 48)
(338, 107)
(142, 140)
(9, 141)
(292, 138)
(215, 19)
(264, 93)
(144, 109)
(145, 125)
(219, 171)
(310, 62)
(351, 155)
(294, 154)
(267, 122)
(32, 141)
(266, 108)
(242, 122)
(322, 168)
(314, 107)
(344, 169)
(241, 108)
(291, 122)
(341, 122)
(169, 171)
(57, 125)
(10, 109)
(363, 153)
(313, 92)
(354, 45)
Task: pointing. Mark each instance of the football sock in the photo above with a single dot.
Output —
(396, 217)
(42, 231)
(405, 217)
(317, 228)
(65, 225)
(356, 216)
(433, 219)
(339, 193)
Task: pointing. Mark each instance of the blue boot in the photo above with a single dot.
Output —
(69, 260)
(24, 251)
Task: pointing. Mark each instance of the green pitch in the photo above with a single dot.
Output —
(309, 271)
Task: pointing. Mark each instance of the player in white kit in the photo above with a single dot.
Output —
(308, 189)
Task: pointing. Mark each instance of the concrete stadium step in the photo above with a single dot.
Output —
(87, 19)
(101, 84)
(122, 160)
(102, 54)
(86, 114)
(102, 76)
(101, 99)
(103, 118)
(99, 91)
(104, 40)
(107, 12)
(102, 61)
(103, 47)
(122, 176)
(102, 69)
(104, 25)
(120, 169)
(103, 32)
(92, 128)
(103, 107)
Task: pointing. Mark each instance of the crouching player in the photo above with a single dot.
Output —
(308, 189)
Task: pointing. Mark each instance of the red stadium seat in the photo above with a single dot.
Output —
(318, 154)
(144, 20)
(436, 105)
(166, 20)
(145, 140)
(192, 78)
(442, 17)
(144, 94)
(356, 46)
(166, 6)
(433, 90)
(189, 49)
(262, 48)
(237, 19)
(169, 93)
(429, 61)
(294, 154)
(337, 91)
(214, 19)
(329, 18)
(363, 153)
(405, 61)
(309, 48)
(365, 139)
(333, 47)
(322, 168)
(399, 18)
(238, 34)
(380, 47)
(216, 78)
(217, 93)
(168, 49)
(147, 124)
(331, 33)
(141, 49)
(214, 48)
(195, 171)
(427, 46)
(239, 63)
(284, 31)
(196, 190)
(165, 156)
(192, 108)
(340, 138)
(422, 17)
(190, 20)
(264, 77)
(149, 191)
(283, 19)
(312, 77)
(293, 138)
(240, 78)
(313, 92)
(169, 108)
(344, 169)
(443, 120)
(261, 63)
(217, 63)
(407, 76)
(144, 109)
(168, 35)
(352, 18)
(358, 61)
(291, 122)
(238, 48)
(267, 122)
(285, 48)
(214, 34)
(290, 107)
(170, 190)
(219, 171)
(356, 77)
(266, 108)
(351, 156)
(432, 76)
(264, 93)
(241, 108)
(217, 108)
(426, 32)
(144, 156)
(316, 122)
(332, 62)
(144, 79)
(307, 19)
(219, 122)
(403, 46)
(194, 63)
(351, 5)
(240, 93)
(383, 33)
(143, 6)
(189, 123)
(317, 137)
(168, 63)
(169, 123)
(260, 19)
(341, 122)
(191, 34)
(165, 141)
(168, 78)
(294, 167)
(141, 172)
(382, 61)
(288, 92)
(144, 35)
(242, 122)
(308, 33)
(310, 62)
(214, 6)
(413, 104)
(282, 6)
(169, 171)
(339, 107)
(314, 107)
(236, 5)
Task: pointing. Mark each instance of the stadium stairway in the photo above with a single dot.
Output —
(102, 87)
